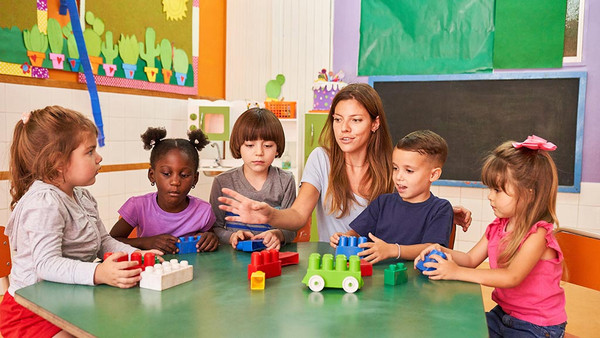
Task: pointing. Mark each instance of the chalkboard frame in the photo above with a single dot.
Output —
(581, 76)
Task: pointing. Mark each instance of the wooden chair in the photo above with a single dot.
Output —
(5, 261)
(452, 237)
(580, 250)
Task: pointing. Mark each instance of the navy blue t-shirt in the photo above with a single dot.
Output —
(393, 220)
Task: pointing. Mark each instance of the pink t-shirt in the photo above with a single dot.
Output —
(144, 213)
(539, 299)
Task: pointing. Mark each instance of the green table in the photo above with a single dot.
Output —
(219, 302)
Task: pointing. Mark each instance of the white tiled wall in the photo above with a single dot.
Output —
(125, 118)
(579, 211)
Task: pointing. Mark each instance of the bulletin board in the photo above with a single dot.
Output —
(475, 113)
(159, 39)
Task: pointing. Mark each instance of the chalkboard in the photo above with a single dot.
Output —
(477, 112)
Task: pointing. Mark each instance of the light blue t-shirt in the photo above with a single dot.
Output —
(316, 172)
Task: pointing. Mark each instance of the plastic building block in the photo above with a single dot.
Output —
(348, 246)
(166, 275)
(187, 244)
(366, 268)
(289, 258)
(266, 261)
(320, 275)
(428, 258)
(148, 260)
(251, 245)
(395, 274)
(257, 280)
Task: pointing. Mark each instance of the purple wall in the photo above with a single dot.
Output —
(345, 57)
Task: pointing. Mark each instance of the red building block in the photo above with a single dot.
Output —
(288, 258)
(366, 268)
(266, 261)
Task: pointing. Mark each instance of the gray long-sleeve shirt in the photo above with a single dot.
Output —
(55, 237)
(278, 191)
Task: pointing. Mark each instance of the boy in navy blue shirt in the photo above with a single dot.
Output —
(402, 224)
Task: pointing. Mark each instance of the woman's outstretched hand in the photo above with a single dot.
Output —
(247, 210)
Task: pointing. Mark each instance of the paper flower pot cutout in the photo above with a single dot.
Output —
(109, 69)
(535, 142)
(74, 63)
(57, 60)
(129, 70)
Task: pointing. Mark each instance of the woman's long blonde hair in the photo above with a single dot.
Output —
(533, 177)
(42, 143)
(379, 152)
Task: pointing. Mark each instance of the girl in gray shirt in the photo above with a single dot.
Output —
(55, 230)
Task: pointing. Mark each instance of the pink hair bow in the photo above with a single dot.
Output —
(25, 117)
(535, 142)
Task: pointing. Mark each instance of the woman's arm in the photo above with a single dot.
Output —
(253, 212)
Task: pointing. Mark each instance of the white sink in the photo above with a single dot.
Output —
(210, 168)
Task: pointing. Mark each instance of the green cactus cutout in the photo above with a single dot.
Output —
(129, 49)
(35, 40)
(166, 54)
(92, 37)
(152, 50)
(109, 50)
(180, 61)
(55, 36)
(274, 87)
(71, 43)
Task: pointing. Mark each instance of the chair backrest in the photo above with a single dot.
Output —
(580, 250)
(5, 261)
(452, 237)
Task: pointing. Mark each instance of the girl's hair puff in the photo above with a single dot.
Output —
(154, 138)
(379, 152)
(256, 124)
(533, 177)
(42, 145)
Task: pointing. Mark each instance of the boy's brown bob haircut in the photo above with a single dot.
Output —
(256, 124)
(428, 143)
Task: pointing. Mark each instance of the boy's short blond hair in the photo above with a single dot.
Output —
(428, 143)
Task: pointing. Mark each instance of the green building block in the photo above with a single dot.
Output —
(322, 273)
(395, 274)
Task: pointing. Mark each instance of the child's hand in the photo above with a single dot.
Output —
(239, 236)
(335, 239)
(165, 243)
(208, 242)
(421, 256)
(444, 269)
(115, 273)
(271, 239)
(377, 250)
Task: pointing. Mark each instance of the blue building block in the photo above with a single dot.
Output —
(420, 263)
(188, 244)
(251, 245)
(395, 274)
(348, 246)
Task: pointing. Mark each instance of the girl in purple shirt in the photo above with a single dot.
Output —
(169, 213)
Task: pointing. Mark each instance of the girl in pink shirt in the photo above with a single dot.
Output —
(524, 256)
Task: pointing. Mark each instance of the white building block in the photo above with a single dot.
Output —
(166, 275)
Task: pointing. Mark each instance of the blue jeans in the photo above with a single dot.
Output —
(502, 325)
